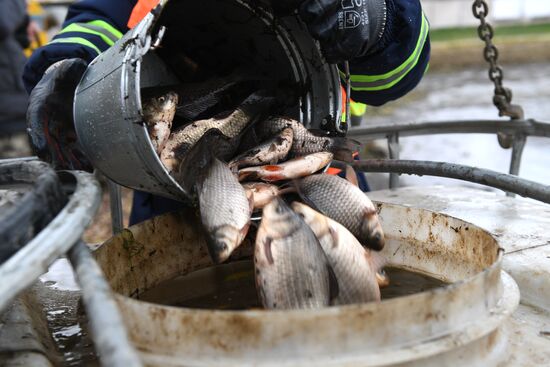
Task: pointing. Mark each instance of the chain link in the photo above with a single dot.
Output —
(503, 96)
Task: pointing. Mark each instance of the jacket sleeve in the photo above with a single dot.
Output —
(399, 60)
(12, 15)
(91, 26)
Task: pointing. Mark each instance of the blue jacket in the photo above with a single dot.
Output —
(391, 70)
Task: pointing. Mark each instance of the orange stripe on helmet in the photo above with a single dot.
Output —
(140, 11)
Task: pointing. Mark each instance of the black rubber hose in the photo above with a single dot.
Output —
(502, 181)
(35, 209)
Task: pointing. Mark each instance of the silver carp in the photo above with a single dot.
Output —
(291, 270)
(305, 142)
(340, 200)
(355, 267)
(291, 169)
(158, 114)
(225, 210)
(268, 152)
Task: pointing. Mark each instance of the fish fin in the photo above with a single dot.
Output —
(334, 288)
(272, 168)
(267, 250)
(382, 278)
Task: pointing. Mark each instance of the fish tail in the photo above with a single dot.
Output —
(343, 148)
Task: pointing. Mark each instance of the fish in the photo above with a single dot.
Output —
(306, 142)
(355, 267)
(345, 203)
(262, 192)
(382, 278)
(158, 114)
(212, 144)
(231, 125)
(291, 169)
(291, 269)
(225, 210)
(268, 152)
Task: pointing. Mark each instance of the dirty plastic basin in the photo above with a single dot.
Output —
(463, 323)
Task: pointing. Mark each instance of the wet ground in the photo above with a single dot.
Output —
(463, 95)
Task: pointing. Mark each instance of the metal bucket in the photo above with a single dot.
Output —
(463, 323)
(107, 105)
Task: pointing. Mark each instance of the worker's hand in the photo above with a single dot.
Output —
(346, 29)
(50, 116)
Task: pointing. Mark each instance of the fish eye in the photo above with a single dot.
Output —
(162, 99)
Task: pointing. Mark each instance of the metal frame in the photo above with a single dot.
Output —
(62, 236)
(519, 129)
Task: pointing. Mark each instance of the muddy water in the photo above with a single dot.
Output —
(231, 287)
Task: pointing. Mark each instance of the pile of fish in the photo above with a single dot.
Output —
(315, 245)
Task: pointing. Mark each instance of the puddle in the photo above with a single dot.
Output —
(231, 287)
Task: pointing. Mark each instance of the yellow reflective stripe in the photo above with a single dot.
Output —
(83, 28)
(100, 23)
(77, 40)
(357, 108)
(389, 79)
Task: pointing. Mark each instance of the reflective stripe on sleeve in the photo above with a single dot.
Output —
(108, 37)
(77, 40)
(389, 79)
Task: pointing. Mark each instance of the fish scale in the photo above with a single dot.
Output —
(340, 200)
(293, 273)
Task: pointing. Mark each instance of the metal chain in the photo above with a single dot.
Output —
(503, 96)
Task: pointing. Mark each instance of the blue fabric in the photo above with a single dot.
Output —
(116, 13)
(403, 23)
(146, 206)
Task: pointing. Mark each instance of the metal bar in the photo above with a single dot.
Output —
(19, 159)
(393, 147)
(517, 151)
(481, 176)
(108, 331)
(526, 127)
(115, 199)
(25, 266)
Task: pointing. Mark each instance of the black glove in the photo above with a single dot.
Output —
(346, 29)
(50, 116)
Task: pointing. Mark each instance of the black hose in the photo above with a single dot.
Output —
(41, 202)
(502, 181)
